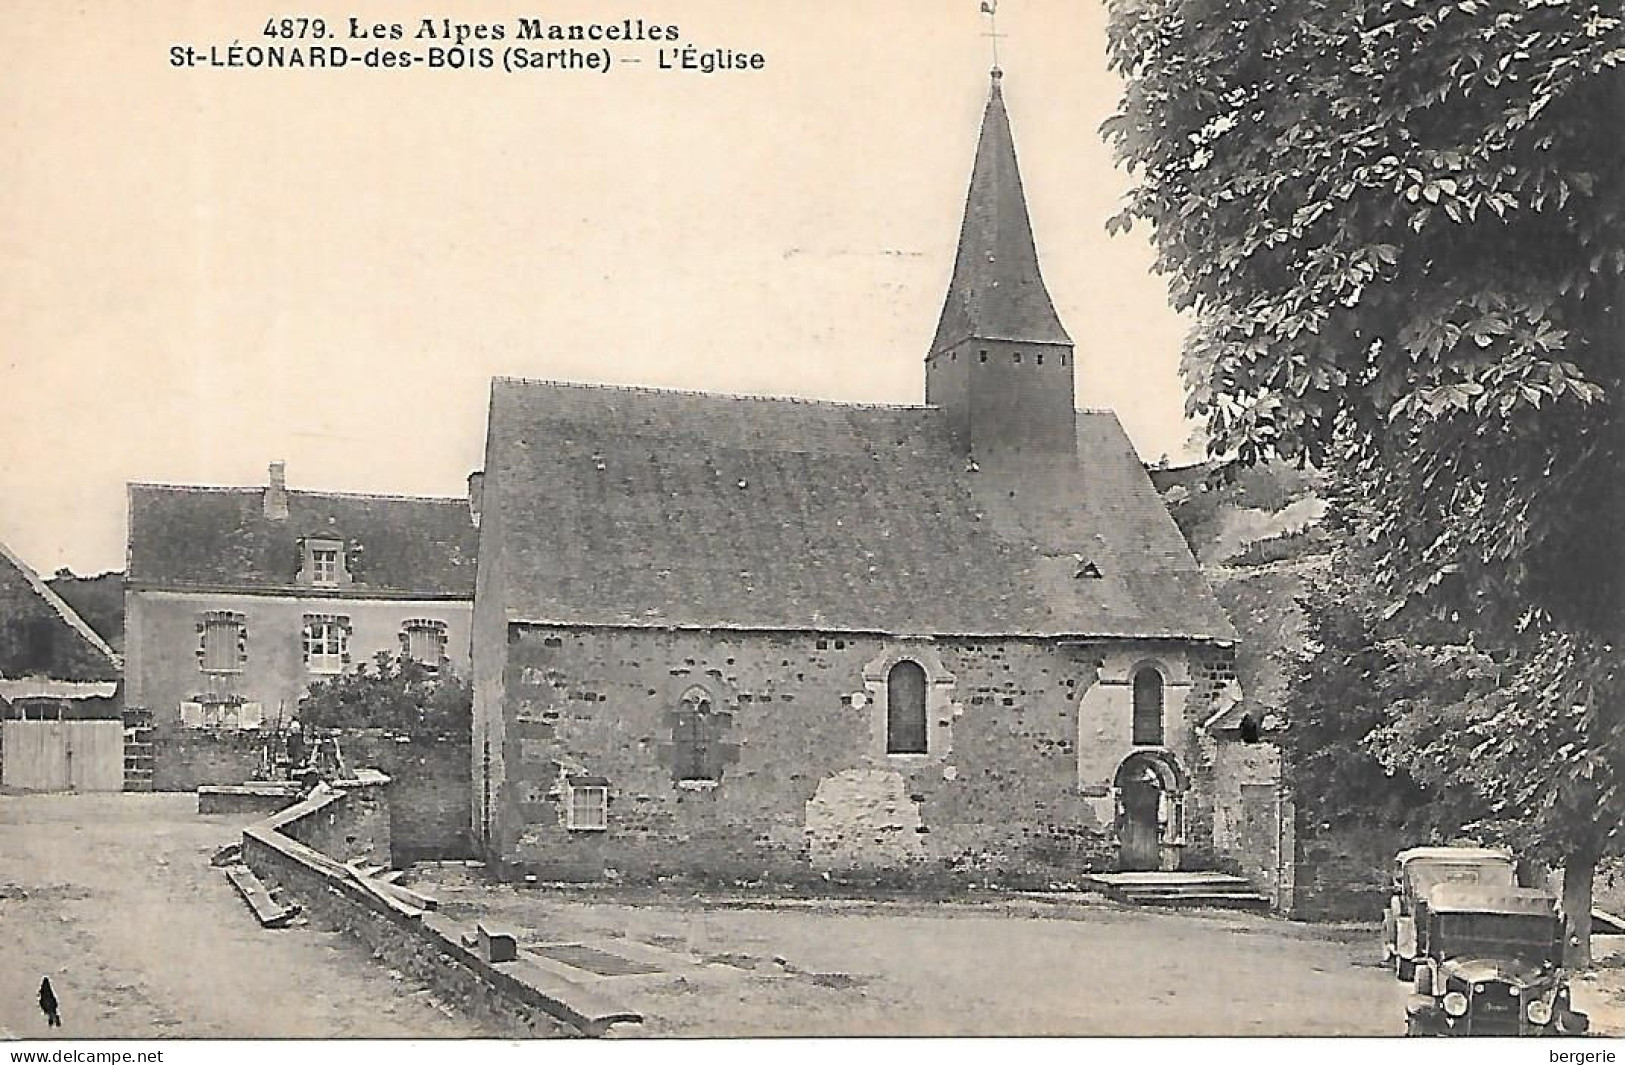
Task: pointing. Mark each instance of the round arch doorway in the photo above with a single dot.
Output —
(1150, 811)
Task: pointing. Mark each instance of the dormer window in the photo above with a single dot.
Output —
(324, 563)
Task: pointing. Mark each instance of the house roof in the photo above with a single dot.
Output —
(997, 291)
(73, 652)
(621, 506)
(402, 546)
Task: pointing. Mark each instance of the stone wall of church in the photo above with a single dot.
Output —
(1214, 682)
(806, 788)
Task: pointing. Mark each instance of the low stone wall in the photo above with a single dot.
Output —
(185, 759)
(244, 799)
(356, 826)
(429, 800)
(426, 946)
(1344, 874)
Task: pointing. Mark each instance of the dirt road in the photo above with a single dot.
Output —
(113, 898)
(1011, 968)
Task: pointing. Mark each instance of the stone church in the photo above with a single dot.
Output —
(742, 638)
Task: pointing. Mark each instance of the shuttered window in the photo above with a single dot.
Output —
(220, 645)
(424, 642)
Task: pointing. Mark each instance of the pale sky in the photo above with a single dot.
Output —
(203, 270)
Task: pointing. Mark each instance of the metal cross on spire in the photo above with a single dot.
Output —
(990, 8)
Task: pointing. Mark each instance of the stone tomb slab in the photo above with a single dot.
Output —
(593, 960)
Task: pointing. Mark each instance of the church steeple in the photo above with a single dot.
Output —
(997, 292)
(1000, 365)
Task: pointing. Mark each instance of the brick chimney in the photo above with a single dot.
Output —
(276, 493)
(476, 494)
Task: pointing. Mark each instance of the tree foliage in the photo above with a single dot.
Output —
(392, 692)
(1343, 687)
(1398, 225)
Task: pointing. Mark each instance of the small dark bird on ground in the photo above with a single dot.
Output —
(48, 1004)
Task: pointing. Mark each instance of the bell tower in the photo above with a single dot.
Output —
(1001, 367)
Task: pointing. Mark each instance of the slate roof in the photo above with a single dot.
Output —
(75, 652)
(398, 545)
(641, 507)
(997, 291)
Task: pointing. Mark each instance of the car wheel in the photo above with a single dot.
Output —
(1405, 970)
(1417, 1026)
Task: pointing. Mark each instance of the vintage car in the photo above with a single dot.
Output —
(1419, 871)
(1490, 962)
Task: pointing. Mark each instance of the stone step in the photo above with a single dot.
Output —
(1222, 883)
(269, 912)
(1181, 889)
(1181, 882)
(1229, 900)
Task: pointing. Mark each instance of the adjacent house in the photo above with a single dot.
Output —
(60, 725)
(236, 599)
(740, 636)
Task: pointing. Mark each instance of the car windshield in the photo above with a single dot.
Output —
(1516, 935)
(1425, 876)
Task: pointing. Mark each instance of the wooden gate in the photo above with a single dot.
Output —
(63, 755)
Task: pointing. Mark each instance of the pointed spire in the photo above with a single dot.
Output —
(997, 292)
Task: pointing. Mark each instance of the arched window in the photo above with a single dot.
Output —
(1148, 706)
(905, 709)
(694, 739)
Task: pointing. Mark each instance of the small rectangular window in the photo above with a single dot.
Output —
(324, 565)
(586, 808)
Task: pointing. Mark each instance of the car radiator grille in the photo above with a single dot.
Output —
(1496, 1010)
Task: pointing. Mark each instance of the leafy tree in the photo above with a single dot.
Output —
(1398, 224)
(392, 692)
(1346, 681)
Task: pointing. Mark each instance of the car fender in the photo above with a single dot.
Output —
(1572, 1022)
(1405, 937)
(1421, 1006)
